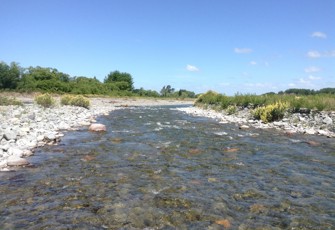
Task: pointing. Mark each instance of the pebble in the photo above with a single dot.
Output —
(16, 161)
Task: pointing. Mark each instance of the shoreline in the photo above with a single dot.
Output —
(27, 127)
(316, 123)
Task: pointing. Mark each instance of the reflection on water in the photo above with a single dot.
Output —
(157, 168)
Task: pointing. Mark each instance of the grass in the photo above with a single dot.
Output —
(9, 101)
(320, 102)
(268, 107)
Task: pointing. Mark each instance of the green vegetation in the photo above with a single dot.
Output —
(50, 80)
(77, 100)
(268, 107)
(9, 101)
(272, 112)
(45, 100)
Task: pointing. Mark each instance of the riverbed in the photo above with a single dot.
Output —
(159, 168)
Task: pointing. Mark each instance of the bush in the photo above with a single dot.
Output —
(272, 112)
(78, 100)
(66, 100)
(231, 109)
(45, 100)
(9, 101)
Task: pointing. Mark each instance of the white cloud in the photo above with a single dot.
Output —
(243, 50)
(317, 54)
(291, 84)
(312, 78)
(312, 69)
(192, 68)
(253, 63)
(314, 54)
(319, 35)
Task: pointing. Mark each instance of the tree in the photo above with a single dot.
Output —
(167, 91)
(9, 75)
(124, 80)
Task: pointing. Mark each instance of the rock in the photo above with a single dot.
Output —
(10, 135)
(27, 153)
(15, 152)
(224, 222)
(244, 127)
(327, 120)
(97, 128)
(50, 137)
(16, 161)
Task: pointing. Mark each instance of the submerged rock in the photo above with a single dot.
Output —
(97, 128)
(16, 161)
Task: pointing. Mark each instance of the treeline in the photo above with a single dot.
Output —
(308, 91)
(41, 79)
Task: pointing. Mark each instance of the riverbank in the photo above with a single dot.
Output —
(23, 128)
(306, 122)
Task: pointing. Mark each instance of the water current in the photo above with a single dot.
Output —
(158, 168)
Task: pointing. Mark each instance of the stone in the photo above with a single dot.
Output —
(27, 153)
(244, 127)
(16, 161)
(15, 152)
(327, 120)
(10, 135)
(97, 128)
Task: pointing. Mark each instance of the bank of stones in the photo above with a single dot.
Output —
(307, 122)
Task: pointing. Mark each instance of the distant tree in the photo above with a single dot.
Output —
(123, 80)
(167, 91)
(9, 75)
(146, 93)
(327, 90)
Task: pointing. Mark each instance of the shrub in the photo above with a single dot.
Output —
(45, 100)
(271, 112)
(231, 109)
(78, 100)
(9, 101)
(66, 100)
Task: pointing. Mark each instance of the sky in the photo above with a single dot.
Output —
(229, 46)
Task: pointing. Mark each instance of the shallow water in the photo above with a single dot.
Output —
(157, 168)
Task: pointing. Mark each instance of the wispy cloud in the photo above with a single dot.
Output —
(253, 63)
(243, 50)
(319, 35)
(192, 68)
(317, 54)
(312, 69)
(313, 54)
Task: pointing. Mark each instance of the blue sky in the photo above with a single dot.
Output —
(224, 45)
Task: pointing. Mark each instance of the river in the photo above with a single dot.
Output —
(158, 168)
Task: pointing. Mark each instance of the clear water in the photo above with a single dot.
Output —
(157, 168)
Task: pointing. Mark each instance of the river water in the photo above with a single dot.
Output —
(158, 168)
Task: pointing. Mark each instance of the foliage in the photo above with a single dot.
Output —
(272, 112)
(268, 107)
(231, 109)
(123, 81)
(146, 93)
(167, 91)
(80, 101)
(45, 100)
(66, 99)
(9, 101)
(77, 100)
(9, 75)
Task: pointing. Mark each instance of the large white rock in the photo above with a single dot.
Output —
(97, 128)
(16, 161)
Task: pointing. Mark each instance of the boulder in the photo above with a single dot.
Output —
(327, 120)
(16, 161)
(10, 135)
(97, 128)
